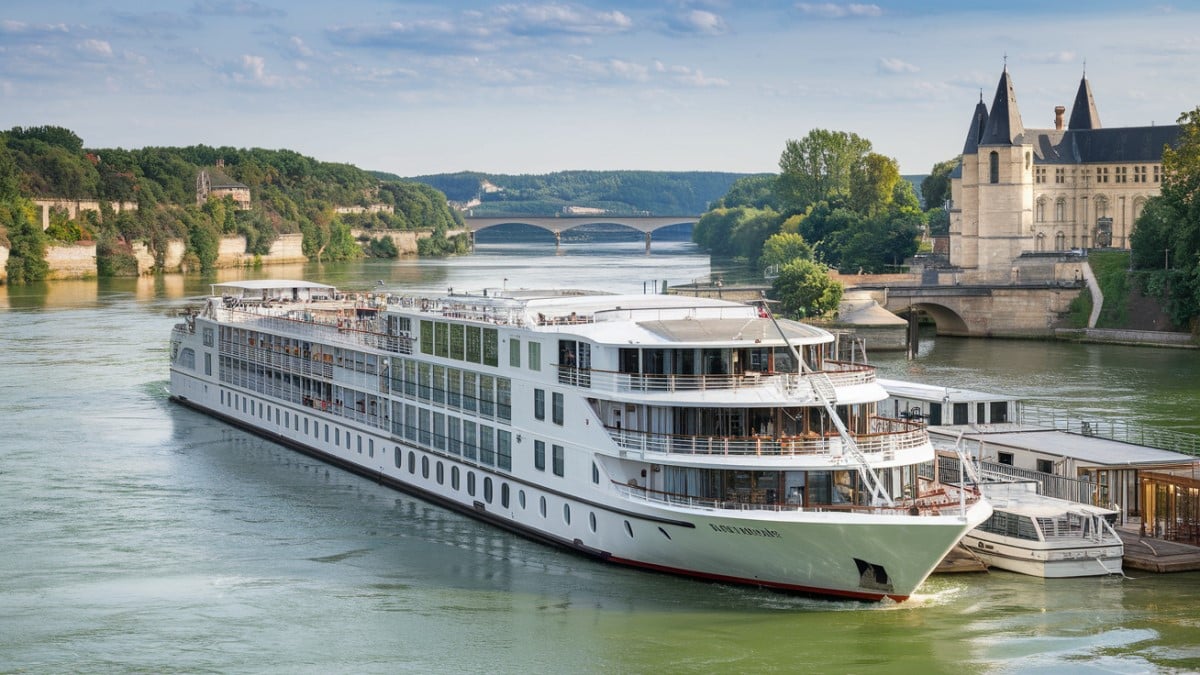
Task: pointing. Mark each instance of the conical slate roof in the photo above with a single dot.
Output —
(978, 123)
(1083, 113)
(1004, 123)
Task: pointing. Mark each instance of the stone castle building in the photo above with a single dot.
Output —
(1033, 192)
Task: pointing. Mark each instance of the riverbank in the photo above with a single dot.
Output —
(1133, 338)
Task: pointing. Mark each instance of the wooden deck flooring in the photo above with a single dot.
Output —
(1158, 555)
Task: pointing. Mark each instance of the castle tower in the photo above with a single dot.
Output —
(1083, 112)
(964, 194)
(1004, 167)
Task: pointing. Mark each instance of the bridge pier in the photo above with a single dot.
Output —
(558, 243)
(647, 243)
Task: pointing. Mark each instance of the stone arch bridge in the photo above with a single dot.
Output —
(1022, 310)
(559, 224)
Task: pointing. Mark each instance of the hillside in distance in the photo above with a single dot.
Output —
(655, 193)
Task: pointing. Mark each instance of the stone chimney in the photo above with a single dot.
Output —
(1059, 111)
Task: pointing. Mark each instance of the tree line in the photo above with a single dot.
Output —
(654, 193)
(835, 204)
(290, 193)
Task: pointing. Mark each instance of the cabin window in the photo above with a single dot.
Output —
(471, 483)
(208, 337)
(514, 352)
(491, 347)
(412, 462)
(980, 413)
(454, 478)
(539, 404)
(1045, 466)
(439, 430)
(539, 455)
(595, 474)
(397, 456)
(558, 460)
(426, 337)
(470, 442)
(487, 445)
(187, 358)
(535, 356)
(370, 447)
(504, 495)
(999, 412)
(592, 520)
(960, 413)
(1005, 458)
(521, 498)
(457, 342)
(473, 344)
(425, 466)
(441, 473)
(567, 514)
(504, 450)
(557, 408)
(542, 506)
(504, 398)
(994, 167)
(441, 339)
(487, 489)
(454, 435)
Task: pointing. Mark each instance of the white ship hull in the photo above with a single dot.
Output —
(1077, 559)
(623, 510)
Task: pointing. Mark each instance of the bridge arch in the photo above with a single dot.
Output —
(557, 225)
(947, 320)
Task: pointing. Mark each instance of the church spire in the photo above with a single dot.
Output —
(978, 124)
(1004, 123)
(1083, 112)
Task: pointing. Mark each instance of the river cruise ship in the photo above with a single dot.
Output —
(686, 435)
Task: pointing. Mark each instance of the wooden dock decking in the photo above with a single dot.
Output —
(958, 560)
(1158, 555)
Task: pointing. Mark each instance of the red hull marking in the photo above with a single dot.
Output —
(758, 582)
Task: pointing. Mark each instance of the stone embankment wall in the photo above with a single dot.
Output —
(79, 261)
(405, 241)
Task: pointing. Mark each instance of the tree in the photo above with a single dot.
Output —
(27, 243)
(818, 167)
(873, 184)
(782, 248)
(935, 188)
(804, 289)
(1166, 237)
(757, 191)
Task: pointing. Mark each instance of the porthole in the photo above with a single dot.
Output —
(628, 529)
(504, 495)
(425, 467)
(592, 520)
(454, 477)
(441, 473)
(398, 456)
(471, 483)
(487, 489)
(412, 462)
(521, 498)
(542, 506)
(567, 513)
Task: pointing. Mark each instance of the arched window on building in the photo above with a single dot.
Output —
(1060, 241)
(1060, 210)
(1039, 242)
(1041, 210)
(1100, 205)
(1138, 204)
(994, 169)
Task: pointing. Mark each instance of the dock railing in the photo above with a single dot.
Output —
(1110, 428)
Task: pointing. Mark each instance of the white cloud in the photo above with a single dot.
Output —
(95, 48)
(830, 10)
(697, 22)
(1053, 57)
(896, 66)
(252, 70)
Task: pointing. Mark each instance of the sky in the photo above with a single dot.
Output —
(512, 86)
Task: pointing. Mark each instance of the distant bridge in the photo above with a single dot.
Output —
(559, 224)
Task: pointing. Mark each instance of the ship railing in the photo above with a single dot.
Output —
(1113, 428)
(926, 505)
(322, 327)
(498, 310)
(885, 439)
(294, 394)
(785, 383)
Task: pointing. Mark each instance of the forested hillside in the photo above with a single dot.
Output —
(289, 193)
(657, 193)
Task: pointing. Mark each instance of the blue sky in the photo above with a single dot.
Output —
(531, 87)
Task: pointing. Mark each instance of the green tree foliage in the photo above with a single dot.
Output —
(873, 184)
(290, 193)
(662, 193)
(782, 248)
(736, 233)
(757, 191)
(804, 289)
(27, 243)
(935, 188)
(818, 167)
(1166, 236)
